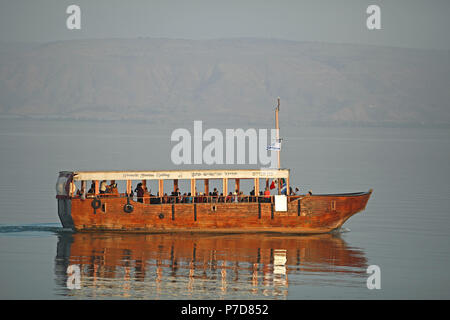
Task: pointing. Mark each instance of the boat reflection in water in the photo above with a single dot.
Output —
(195, 266)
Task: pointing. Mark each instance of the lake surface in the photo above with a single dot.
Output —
(404, 229)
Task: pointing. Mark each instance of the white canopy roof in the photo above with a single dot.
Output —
(181, 174)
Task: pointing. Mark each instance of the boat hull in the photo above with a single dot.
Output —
(311, 214)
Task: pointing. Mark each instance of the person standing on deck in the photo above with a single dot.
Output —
(178, 195)
(140, 193)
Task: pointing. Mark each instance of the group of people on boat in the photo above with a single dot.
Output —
(200, 197)
(104, 187)
(142, 193)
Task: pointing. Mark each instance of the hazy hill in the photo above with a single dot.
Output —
(231, 81)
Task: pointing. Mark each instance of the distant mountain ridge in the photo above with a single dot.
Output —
(226, 81)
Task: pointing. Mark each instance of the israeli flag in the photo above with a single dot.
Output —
(284, 188)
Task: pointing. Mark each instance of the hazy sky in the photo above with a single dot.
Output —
(405, 23)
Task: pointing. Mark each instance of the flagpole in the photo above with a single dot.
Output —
(277, 127)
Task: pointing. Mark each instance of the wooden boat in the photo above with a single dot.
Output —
(283, 213)
(277, 213)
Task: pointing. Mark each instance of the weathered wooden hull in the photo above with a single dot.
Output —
(305, 215)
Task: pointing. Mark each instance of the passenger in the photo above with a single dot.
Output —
(113, 187)
(215, 195)
(252, 195)
(92, 188)
(140, 193)
(296, 191)
(176, 196)
(158, 199)
(103, 186)
(165, 198)
(82, 192)
(221, 199)
(260, 197)
(267, 195)
(189, 198)
(229, 197)
(235, 196)
(153, 199)
(310, 192)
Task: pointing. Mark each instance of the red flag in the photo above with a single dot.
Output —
(272, 185)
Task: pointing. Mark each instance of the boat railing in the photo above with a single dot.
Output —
(187, 199)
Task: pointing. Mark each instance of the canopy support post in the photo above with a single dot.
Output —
(193, 187)
(128, 187)
(225, 186)
(161, 187)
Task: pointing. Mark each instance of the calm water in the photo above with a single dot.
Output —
(404, 230)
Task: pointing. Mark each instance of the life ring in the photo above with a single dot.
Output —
(128, 208)
(96, 204)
